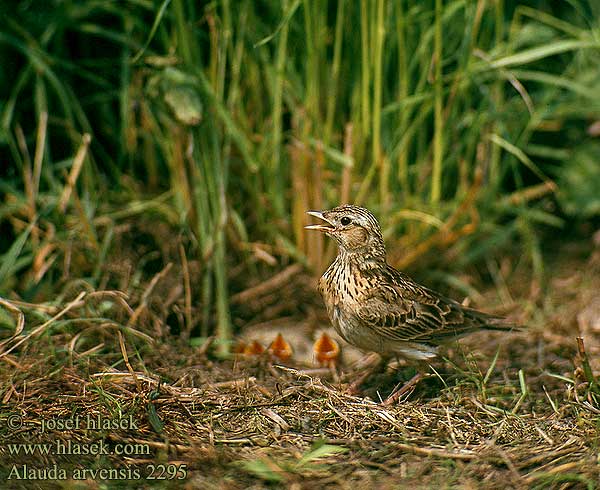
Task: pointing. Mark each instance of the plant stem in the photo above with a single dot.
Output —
(438, 136)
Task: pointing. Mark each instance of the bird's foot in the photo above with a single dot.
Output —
(374, 364)
(403, 391)
(354, 388)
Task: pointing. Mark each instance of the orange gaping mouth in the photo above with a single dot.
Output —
(329, 226)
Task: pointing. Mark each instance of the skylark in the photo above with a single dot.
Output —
(378, 308)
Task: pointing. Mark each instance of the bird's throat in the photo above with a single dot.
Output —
(362, 260)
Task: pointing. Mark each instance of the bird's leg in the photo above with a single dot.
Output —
(405, 389)
(372, 368)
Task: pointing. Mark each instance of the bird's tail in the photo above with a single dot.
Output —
(492, 322)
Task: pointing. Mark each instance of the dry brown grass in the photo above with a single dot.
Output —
(243, 423)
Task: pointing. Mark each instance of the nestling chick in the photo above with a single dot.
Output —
(377, 308)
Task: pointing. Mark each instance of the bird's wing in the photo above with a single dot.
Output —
(399, 309)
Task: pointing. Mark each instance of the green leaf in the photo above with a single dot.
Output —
(262, 470)
(335, 155)
(519, 154)
(286, 18)
(534, 54)
(185, 104)
(9, 259)
(319, 450)
(154, 419)
(156, 23)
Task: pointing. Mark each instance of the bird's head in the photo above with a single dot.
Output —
(354, 228)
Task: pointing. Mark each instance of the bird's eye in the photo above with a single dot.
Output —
(345, 220)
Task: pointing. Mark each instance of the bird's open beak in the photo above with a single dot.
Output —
(320, 227)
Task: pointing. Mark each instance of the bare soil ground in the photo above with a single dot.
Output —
(514, 410)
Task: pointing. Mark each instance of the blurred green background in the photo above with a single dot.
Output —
(137, 134)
